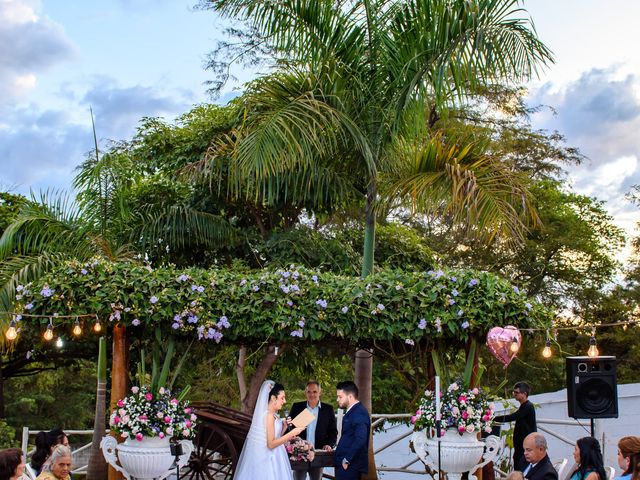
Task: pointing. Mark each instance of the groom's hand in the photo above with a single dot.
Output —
(345, 464)
(327, 448)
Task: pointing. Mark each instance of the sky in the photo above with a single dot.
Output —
(129, 59)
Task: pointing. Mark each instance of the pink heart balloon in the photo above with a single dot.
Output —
(499, 341)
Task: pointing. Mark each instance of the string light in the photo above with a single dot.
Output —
(11, 332)
(48, 333)
(97, 327)
(77, 329)
(593, 348)
(59, 342)
(514, 347)
(546, 351)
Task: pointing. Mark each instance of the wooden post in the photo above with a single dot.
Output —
(363, 379)
(119, 376)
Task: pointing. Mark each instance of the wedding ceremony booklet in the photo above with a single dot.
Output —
(304, 418)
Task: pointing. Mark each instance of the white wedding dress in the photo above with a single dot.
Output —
(257, 461)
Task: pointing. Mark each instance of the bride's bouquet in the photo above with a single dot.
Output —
(300, 450)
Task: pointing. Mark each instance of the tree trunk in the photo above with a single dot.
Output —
(364, 358)
(259, 376)
(119, 376)
(97, 468)
(1, 391)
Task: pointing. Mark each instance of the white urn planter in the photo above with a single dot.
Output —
(458, 453)
(148, 459)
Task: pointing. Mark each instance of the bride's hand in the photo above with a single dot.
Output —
(297, 431)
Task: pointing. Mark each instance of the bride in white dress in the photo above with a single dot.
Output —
(264, 456)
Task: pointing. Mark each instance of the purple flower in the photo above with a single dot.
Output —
(464, 325)
(439, 274)
(285, 288)
(84, 271)
(295, 288)
(295, 275)
(314, 278)
(454, 292)
(256, 288)
(321, 303)
(200, 289)
(28, 306)
(200, 331)
(345, 309)
(135, 322)
(452, 301)
(422, 324)
(194, 288)
(223, 322)
(438, 323)
(460, 312)
(192, 318)
(380, 307)
(398, 287)
(183, 278)
(19, 288)
(46, 291)
(154, 299)
(286, 274)
(290, 303)
(528, 306)
(516, 289)
(243, 282)
(175, 325)
(297, 333)
(177, 317)
(408, 341)
(217, 336)
(473, 282)
(301, 323)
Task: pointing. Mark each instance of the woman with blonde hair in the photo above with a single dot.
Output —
(58, 465)
(629, 457)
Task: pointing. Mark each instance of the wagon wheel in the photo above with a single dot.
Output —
(214, 456)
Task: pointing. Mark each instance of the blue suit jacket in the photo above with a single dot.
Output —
(354, 441)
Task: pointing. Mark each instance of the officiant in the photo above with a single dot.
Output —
(321, 432)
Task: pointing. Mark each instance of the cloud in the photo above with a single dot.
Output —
(40, 148)
(29, 44)
(600, 114)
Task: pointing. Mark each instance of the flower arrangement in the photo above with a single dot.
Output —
(466, 410)
(145, 414)
(300, 450)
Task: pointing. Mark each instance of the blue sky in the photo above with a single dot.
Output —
(133, 58)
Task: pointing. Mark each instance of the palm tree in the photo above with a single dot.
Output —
(353, 79)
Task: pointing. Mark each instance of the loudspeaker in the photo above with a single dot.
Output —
(592, 390)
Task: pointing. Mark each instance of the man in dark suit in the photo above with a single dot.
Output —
(537, 465)
(322, 432)
(351, 457)
(525, 418)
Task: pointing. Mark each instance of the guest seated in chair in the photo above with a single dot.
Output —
(58, 465)
(588, 457)
(11, 464)
(628, 456)
(537, 466)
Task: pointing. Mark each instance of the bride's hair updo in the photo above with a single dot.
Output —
(275, 390)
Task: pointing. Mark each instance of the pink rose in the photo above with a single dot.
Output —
(465, 415)
(174, 401)
(188, 423)
(186, 432)
(470, 428)
(161, 434)
(461, 429)
(187, 410)
(135, 389)
(139, 437)
(167, 419)
(116, 420)
(475, 391)
(143, 417)
(413, 419)
(148, 397)
(462, 398)
(486, 418)
(120, 403)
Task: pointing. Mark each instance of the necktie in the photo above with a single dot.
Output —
(527, 470)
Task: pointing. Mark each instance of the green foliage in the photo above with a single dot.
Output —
(282, 305)
(7, 435)
(10, 205)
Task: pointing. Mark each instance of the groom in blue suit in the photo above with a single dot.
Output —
(351, 457)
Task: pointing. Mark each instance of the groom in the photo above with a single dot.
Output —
(351, 457)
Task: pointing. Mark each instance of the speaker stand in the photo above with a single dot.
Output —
(593, 427)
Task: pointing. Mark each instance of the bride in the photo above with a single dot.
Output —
(263, 455)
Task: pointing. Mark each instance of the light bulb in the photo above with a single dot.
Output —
(546, 351)
(514, 347)
(48, 333)
(77, 329)
(593, 348)
(59, 342)
(97, 327)
(11, 332)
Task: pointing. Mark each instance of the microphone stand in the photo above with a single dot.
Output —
(177, 451)
(439, 435)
